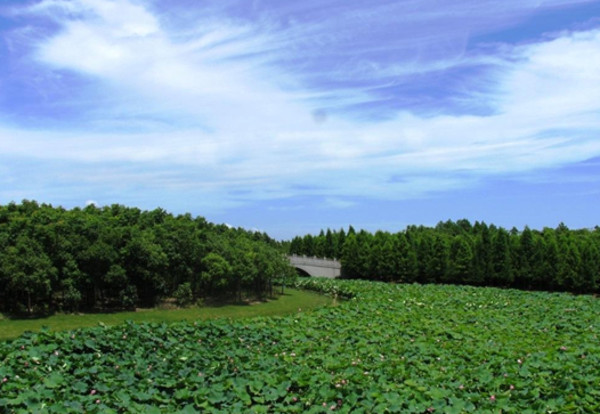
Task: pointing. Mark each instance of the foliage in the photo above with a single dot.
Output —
(463, 253)
(389, 348)
(117, 257)
(183, 295)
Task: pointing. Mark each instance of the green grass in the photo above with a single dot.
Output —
(291, 302)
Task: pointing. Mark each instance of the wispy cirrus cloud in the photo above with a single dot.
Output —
(266, 103)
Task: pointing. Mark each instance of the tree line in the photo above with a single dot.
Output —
(120, 257)
(460, 252)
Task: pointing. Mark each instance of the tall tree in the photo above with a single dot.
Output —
(340, 239)
(406, 257)
(351, 264)
(215, 277)
(308, 245)
(461, 260)
(27, 272)
(482, 257)
(589, 269)
(329, 245)
(440, 258)
(550, 267)
(569, 262)
(525, 254)
(502, 274)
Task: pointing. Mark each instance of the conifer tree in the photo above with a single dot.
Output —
(351, 264)
(461, 260)
(408, 268)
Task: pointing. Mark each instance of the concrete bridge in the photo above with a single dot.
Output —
(314, 266)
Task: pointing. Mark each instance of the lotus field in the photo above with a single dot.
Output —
(385, 348)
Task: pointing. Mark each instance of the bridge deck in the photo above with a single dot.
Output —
(316, 266)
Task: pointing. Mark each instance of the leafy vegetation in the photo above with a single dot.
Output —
(390, 348)
(117, 257)
(463, 253)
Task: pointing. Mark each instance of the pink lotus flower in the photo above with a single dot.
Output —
(93, 392)
(492, 398)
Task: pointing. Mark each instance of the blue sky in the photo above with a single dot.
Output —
(291, 117)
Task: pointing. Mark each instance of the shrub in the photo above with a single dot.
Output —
(183, 295)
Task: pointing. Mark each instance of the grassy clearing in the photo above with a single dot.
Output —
(289, 303)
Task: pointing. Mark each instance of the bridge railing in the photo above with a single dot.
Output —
(314, 261)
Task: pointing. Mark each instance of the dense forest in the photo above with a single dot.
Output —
(463, 253)
(119, 257)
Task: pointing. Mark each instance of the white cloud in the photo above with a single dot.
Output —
(338, 203)
(254, 127)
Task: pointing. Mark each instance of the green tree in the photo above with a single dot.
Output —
(502, 274)
(28, 272)
(215, 277)
(569, 263)
(406, 257)
(319, 245)
(365, 240)
(183, 295)
(425, 257)
(145, 263)
(461, 260)
(550, 267)
(308, 245)
(382, 257)
(525, 259)
(440, 258)
(482, 255)
(339, 239)
(296, 246)
(589, 267)
(95, 262)
(329, 245)
(71, 278)
(351, 264)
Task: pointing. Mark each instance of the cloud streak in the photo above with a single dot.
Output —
(225, 108)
